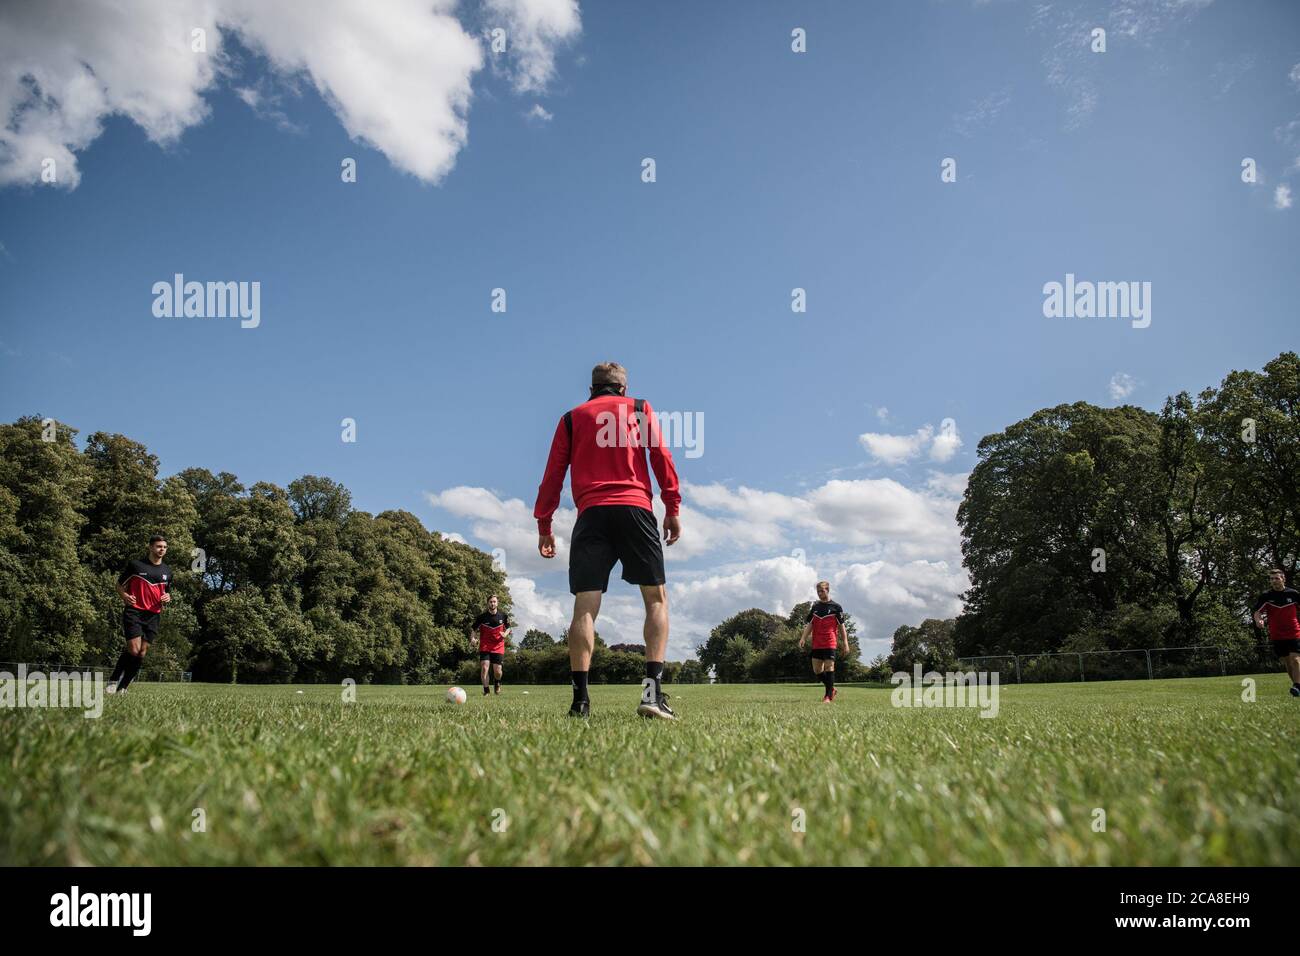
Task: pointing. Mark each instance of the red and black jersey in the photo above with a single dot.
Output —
(492, 632)
(602, 441)
(1281, 606)
(826, 617)
(146, 582)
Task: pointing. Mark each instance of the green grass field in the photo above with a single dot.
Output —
(1186, 772)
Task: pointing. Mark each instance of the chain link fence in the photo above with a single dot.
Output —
(1150, 663)
(161, 675)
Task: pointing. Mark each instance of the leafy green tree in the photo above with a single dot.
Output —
(47, 597)
(755, 626)
(735, 660)
(535, 640)
(692, 672)
(931, 645)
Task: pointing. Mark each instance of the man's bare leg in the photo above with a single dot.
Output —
(582, 640)
(655, 597)
(653, 701)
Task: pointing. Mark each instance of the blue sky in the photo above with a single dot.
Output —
(826, 452)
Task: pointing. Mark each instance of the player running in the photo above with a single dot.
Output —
(1278, 607)
(826, 627)
(492, 628)
(605, 440)
(145, 586)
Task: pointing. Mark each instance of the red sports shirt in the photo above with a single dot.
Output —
(607, 456)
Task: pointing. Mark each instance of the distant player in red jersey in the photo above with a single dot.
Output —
(826, 628)
(491, 627)
(604, 443)
(1277, 608)
(145, 586)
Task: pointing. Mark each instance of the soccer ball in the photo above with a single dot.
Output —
(455, 695)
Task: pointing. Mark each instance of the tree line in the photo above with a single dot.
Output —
(1083, 528)
(271, 584)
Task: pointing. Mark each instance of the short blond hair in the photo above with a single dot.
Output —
(609, 373)
(825, 584)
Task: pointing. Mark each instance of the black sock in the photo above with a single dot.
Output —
(830, 681)
(120, 669)
(496, 684)
(654, 670)
(826, 682)
(485, 689)
(579, 686)
(132, 668)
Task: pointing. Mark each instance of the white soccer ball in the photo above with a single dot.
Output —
(455, 695)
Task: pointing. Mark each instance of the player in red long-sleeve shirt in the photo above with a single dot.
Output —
(604, 441)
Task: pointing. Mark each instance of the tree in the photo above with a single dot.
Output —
(535, 640)
(735, 660)
(692, 672)
(47, 596)
(930, 645)
(756, 627)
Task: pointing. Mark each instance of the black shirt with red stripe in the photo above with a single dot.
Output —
(826, 617)
(492, 632)
(1281, 607)
(146, 582)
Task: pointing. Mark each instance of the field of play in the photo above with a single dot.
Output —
(1185, 772)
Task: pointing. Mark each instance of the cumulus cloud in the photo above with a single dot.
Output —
(535, 29)
(772, 548)
(507, 524)
(397, 74)
(1121, 386)
(889, 449)
(1282, 197)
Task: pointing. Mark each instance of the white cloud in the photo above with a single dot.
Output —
(1282, 197)
(534, 30)
(66, 66)
(888, 449)
(397, 74)
(505, 524)
(1295, 76)
(896, 449)
(895, 550)
(881, 596)
(882, 413)
(947, 443)
(1121, 386)
(539, 113)
(532, 609)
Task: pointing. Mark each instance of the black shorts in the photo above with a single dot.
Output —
(823, 653)
(1283, 648)
(137, 623)
(489, 656)
(608, 533)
